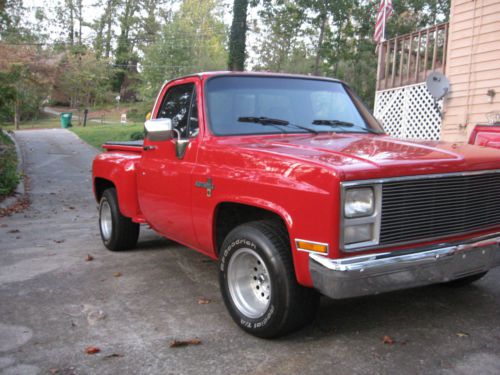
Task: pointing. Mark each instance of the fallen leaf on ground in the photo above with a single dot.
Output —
(21, 204)
(89, 258)
(92, 350)
(204, 301)
(117, 274)
(462, 334)
(388, 340)
(53, 370)
(181, 343)
(114, 355)
(14, 231)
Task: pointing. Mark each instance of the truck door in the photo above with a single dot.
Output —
(164, 178)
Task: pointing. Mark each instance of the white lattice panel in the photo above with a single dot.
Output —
(409, 112)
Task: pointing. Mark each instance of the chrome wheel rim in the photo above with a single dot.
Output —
(249, 283)
(105, 220)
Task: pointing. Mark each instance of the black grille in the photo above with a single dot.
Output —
(422, 209)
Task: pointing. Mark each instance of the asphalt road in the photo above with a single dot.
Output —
(54, 304)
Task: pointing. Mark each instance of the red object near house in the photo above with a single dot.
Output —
(292, 185)
(486, 135)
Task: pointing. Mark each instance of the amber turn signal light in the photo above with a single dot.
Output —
(315, 247)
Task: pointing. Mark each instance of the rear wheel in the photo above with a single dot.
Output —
(466, 280)
(258, 284)
(117, 231)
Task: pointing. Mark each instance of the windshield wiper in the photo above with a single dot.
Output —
(340, 123)
(266, 121)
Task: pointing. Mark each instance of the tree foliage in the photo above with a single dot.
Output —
(194, 41)
(84, 79)
(131, 46)
(22, 91)
(334, 37)
(281, 46)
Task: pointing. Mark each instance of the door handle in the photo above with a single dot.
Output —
(148, 148)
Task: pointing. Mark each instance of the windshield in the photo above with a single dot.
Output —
(323, 106)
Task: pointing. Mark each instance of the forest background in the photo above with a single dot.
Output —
(97, 53)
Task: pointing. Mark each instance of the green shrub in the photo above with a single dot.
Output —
(9, 177)
(136, 136)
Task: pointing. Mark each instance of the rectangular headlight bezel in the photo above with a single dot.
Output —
(374, 219)
(350, 191)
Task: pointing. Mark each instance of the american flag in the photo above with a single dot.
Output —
(384, 12)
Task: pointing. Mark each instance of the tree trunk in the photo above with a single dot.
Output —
(108, 38)
(324, 18)
(16, 114)
(99, 39)
(125, 45)
(80, 20)
(340, 26)
(237, 40)
(71, 23)
(109, 23)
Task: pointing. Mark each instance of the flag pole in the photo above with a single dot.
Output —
(384, 20)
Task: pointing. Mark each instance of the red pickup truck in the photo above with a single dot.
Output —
(292, 185)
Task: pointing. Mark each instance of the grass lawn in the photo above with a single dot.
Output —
(45, 122)
(8, 166)
(96, 135)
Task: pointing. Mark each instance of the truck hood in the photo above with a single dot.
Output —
(356, 156)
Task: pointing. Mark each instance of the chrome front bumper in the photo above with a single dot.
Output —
(385, 272)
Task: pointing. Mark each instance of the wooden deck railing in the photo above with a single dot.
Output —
(409, 59)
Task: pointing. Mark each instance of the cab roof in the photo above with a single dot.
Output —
(206, 75)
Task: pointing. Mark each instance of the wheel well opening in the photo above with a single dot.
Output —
(100, 185)
(229, 215)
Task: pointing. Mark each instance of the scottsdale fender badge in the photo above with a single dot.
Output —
(206, 185)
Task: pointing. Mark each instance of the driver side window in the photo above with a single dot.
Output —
(177, 106)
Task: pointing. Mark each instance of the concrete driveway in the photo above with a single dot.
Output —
(54, 303)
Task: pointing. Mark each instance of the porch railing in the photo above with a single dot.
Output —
(409, 59)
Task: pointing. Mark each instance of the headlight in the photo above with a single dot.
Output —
(359, 202)
(360, 215)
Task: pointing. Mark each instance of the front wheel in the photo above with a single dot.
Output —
(117, 231)
(258, 284)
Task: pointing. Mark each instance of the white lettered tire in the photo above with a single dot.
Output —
(258, 284)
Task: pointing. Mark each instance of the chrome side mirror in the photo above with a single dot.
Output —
(180, 145)
(159, 129)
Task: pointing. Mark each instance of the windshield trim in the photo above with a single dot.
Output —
(355, 100)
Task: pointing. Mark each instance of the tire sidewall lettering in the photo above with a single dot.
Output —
(261, 322)
(232, 245)
(247, 323)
